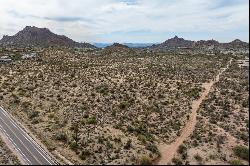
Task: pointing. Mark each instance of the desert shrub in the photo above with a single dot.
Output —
(51, 115)
(100, 140)
(145, 160)
(142, 138)
(177, 161)
(246, 103)
(84, 154)
(123, 105)
(86, 114)
(198, 158)
(236, 162)
(35, 121)
(182, 149)
(141, 129)
(61, 136)
(16, 57)
(243, 136)
(33, 114)
(194, 93)
(25, 105)
(118, 140)
(153, 148)
(130, 129)
(91, 120)
(113, 113)
(128, 145)
(103, 89)
(109, 145)
(118, 125)
(195, 143)
(73, 145)
(16, 99)
(242, 152)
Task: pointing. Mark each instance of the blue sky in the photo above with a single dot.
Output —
(130, 20)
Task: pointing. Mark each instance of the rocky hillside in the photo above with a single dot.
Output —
(118, 50)
(117, 46)
(236, 44)
(177, 42)
(43, 37)
(207, 44)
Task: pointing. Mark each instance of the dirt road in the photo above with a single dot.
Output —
(168, 151)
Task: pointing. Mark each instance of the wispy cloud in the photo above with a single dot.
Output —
(66, 19)
(130, 20)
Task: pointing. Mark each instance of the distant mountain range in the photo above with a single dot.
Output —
(43, 37)
(102, 45)
(131, 45)
(177, 42)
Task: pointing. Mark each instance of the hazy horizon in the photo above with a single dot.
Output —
(130, 21)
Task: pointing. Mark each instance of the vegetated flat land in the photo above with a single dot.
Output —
(6, 156)
(110, 109)
(221, 135)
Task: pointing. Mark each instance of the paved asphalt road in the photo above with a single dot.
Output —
(24, 145)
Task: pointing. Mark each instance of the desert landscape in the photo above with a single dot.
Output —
(124, 82)
(120, 105)
(6, 156)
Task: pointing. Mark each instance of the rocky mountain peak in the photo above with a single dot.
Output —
(43, 37)
(35, 29)
(237, 41)
(176, 37)
(176, 42)
(119, 45)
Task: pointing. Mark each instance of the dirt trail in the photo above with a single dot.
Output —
(168, 151)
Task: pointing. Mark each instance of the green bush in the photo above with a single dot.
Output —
(142, 130)
(33, 114)
(182, 149)
(103, 89)
(61, 136)
(84, 155)
(16, 57)
(198, 158)
(109, 145)
(123, 105)
(177, 161)
(113, 113)
(130, 129)
(194, 93)
(128, 144)
(246, 103)
(142, 138)
(91, 120)
(145, 160)
(152, 148)
(242, 152)
(236, 162)
(73, 145)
